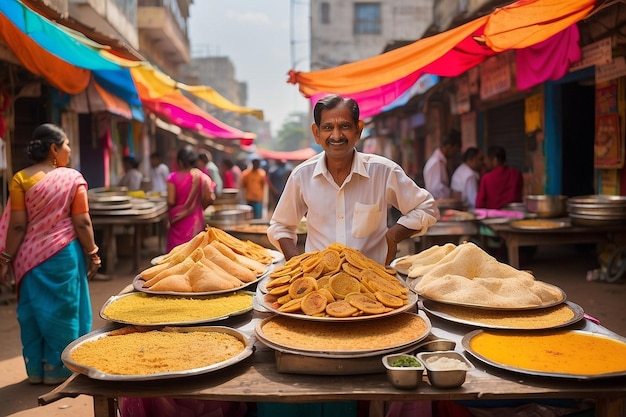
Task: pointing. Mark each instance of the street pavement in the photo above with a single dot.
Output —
(565, 266)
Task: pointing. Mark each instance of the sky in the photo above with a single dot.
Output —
(257, 37)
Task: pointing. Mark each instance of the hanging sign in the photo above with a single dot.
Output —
(597, 53)
(495, 76)
(611, 71)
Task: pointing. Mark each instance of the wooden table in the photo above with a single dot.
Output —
(515, 237)
(135, 218)
(256, 380)
(454, 231)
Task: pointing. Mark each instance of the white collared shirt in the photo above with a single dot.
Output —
(355, 213)
(436, 178)
(465, 181)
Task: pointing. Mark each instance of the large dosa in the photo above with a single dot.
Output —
(421, 262)
(468, 275)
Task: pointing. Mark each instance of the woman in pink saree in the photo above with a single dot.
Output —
(46, 237)
(189, 192)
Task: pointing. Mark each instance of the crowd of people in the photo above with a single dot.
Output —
(480, 181)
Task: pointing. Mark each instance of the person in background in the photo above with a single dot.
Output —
(228, 175)
(206, 165)
(501, 184)
(189, 193)
(466, 177)
(436, 178)
(132, 177)
(253, 182)
(159, 173)
(277, 178)
(345, 194)
(47, 239)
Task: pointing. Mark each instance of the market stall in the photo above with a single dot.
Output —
(295, 348)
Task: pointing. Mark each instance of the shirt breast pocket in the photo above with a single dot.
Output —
(365, 220)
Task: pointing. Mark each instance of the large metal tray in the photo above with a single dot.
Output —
(432, 307)
(104, 332)
(591, 355)
(478, 305)
(342, 353)
(411, 303)
(160, 322)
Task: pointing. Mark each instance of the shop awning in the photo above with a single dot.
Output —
(97, 99)
(378, 81)
(299, 155)
(67, 60)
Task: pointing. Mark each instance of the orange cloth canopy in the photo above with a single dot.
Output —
(518, 25)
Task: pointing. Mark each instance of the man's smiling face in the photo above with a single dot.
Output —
(337, 133)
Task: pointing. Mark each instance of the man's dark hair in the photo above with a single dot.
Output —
(453, 138)
(470, 153)
(498, 152)
(333, 101)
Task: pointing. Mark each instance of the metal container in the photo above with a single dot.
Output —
(403, 377)
(227, 196)
(445, 378)
(546, 205)
(228, 214)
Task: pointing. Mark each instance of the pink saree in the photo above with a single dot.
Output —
(187, 215)
(49, 226)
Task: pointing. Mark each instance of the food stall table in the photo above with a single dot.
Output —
(516, 237)
(256, 379)
(107, 220)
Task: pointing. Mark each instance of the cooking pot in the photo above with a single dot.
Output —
(228, 214)
(546, 205)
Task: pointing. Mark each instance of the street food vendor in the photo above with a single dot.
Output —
(345, 194)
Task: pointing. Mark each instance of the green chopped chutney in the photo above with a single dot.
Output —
(406, 362)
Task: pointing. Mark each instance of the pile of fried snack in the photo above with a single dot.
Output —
(335, 282)
(212, 261)
(465, 274)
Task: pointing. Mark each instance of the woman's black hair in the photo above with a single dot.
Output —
(187, 157)
(333, 101)
(42, 138)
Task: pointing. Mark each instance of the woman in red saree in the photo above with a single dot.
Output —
(47, 238)
(189, 192)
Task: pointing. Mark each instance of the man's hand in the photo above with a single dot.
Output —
(395, 234)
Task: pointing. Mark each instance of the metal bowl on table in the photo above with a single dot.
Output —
(546, 206)
(228, 214)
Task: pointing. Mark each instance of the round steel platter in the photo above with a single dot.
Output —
(562, 299)
(97, 374)
(506, 317)
(337, 353)
(180, 321)
(411, 303)
(467, 340)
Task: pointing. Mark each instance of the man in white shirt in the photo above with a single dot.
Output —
(436, 179)
(132, 178)
(466, 176)
(345, 194)
(159, 173)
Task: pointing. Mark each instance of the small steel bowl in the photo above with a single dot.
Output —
(445, 378)
(403, 377)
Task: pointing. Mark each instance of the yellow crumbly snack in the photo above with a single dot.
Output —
(316, 336)
(145, 309)
(142, 352)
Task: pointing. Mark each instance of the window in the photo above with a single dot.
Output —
(367, 18)
(325, 12)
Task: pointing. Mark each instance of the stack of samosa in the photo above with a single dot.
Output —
(204, 264)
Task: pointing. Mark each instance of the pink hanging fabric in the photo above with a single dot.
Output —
(548, 60)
